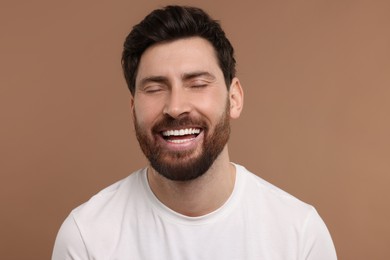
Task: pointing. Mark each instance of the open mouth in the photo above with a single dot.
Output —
(179, 136)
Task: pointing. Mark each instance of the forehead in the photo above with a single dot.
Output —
(179, 57)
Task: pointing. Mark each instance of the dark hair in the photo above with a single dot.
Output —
(172, 23)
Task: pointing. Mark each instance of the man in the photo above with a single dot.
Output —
(191, 202)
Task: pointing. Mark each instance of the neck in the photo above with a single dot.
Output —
(200, 196)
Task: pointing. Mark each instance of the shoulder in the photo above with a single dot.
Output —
(266, 196)
(111, 199)
(280, 213)
(85, 227)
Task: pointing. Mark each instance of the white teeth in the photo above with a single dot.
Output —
(181, 132)
(179, 141)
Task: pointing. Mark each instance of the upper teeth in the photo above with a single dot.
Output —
(181, 132)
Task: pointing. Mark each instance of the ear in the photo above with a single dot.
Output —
(236, 96)
(132, 107)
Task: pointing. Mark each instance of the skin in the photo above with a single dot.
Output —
(180, 78)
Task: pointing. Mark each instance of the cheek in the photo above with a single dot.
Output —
(141, 117)
(145, 113)
(213, 105)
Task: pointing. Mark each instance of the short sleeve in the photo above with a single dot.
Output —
(317, 242)
(69, 243)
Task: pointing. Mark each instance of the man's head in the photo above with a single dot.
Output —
(172, 23)
(181, 104)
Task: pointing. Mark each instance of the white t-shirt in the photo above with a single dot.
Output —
(258, 221)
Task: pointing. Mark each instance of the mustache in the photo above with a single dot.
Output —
(168, 122)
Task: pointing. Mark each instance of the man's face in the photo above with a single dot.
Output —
(181, 108)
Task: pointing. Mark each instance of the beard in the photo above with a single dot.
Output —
(184, 165)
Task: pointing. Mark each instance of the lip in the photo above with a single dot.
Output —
(178, 127)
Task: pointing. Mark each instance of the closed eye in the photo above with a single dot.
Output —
(153, 89)
(198, 85)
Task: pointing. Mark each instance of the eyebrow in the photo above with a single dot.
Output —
(158, 79)
(185, 77)
(196, 74)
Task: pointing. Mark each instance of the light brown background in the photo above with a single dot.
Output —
(315, 123)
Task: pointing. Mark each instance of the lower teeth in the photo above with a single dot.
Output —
(179, 141)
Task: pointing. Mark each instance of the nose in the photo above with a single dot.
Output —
(177, 103)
